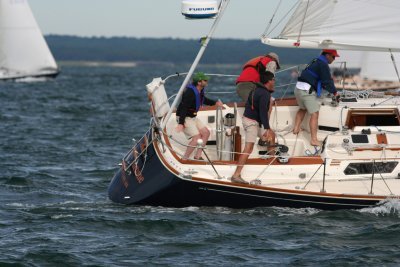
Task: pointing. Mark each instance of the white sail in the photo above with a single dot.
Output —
(23, 50)
(342, 24)
(373, 65)
(379, 66)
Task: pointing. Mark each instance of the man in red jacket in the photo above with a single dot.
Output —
(253, 70)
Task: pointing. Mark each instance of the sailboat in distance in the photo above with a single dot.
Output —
(23, 50)
(377, 70)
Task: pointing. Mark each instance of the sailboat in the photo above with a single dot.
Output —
(23, 50)
(359, 162)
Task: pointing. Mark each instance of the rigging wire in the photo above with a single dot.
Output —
(302, 23)
(272, 18)
(394, 64)
(266, 32)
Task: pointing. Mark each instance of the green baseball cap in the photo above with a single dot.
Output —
(200, 76)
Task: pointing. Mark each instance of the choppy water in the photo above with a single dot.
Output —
(60, 143)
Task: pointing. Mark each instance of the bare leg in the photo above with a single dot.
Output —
(204, 135)
(313, 128)
(191, 146)
(299, 119)
(248, 148)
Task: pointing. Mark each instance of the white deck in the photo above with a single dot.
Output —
(302, 172)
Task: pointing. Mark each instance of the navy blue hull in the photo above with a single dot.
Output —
(157, 186)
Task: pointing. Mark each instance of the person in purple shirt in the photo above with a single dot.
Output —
(186, 115)
(256, 122)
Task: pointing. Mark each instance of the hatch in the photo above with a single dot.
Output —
(372, 117)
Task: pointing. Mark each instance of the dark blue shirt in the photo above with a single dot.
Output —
(191, 103)
(318, 70)
(257, 105)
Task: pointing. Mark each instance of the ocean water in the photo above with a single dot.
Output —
(61, 141)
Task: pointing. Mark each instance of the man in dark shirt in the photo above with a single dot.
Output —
(192, 99)
(315, 77)
(256, 122)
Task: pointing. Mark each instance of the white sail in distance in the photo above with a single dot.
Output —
(372, 25)
(373, 65)
(23, 50)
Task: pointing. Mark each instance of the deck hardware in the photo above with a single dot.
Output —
(372, 177)
(366, 131)
(302, 175)
(334, 102)
(346, 145)
(345, 130)
(185, 176)
(191, 172)
(304, 187)
(255, 182)
(282, 153)
(219, 131)
(200, 146)
(323, 178)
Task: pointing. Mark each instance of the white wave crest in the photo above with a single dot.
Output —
(389, 206)
(61, 216)
(31, 79)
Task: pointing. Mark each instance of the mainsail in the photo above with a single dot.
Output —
(342, 24)
(23, 50)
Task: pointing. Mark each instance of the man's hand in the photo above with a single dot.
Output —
(336, 97)
(179, 128)
(269, 136)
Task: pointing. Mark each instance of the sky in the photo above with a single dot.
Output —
(244, 19)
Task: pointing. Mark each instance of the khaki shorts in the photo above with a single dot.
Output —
(307, 101)
(192, 126)
(243, 89)
(252, 130)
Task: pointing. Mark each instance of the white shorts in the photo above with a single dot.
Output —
(192, 126)
(252, 130)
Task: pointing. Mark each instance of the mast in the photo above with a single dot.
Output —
(224, 4)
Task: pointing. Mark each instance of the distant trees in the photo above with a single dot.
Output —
(221, 51)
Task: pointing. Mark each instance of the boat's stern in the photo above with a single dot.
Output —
(141, 174)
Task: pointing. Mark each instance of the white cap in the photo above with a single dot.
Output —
(276, 57)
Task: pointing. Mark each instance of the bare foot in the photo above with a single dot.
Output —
(296, 130)
(315, 143)
(238, 180)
